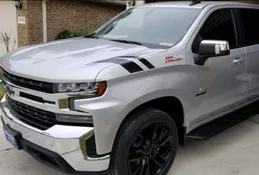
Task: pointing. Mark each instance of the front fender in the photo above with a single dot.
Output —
(133, 90)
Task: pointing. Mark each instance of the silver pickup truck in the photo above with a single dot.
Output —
(123, 98)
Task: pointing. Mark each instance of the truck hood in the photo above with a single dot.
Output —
(68, 60)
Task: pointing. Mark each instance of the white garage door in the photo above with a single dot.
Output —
(8, 24)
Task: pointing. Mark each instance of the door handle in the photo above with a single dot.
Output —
(238, 60)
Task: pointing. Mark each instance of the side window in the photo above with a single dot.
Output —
(218, 26)
(251, 28)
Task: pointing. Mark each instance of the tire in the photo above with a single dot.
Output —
(147, 140)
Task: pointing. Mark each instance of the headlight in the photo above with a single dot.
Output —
(91, 89)
(84, 90)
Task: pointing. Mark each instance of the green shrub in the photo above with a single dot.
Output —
(67, 34)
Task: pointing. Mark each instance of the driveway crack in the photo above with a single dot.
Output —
(7, 149)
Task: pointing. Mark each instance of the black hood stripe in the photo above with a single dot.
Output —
(130, 66)
(142, 60)
(146, 63)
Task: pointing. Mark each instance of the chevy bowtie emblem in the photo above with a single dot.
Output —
(8, 90)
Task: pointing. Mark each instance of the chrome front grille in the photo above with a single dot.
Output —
(32, 116)
(29, 83)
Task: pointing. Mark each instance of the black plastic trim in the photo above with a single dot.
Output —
(225, 122)
(29, 83)
(182, 138)
(2, 120)
(32, 116)
(47, 157)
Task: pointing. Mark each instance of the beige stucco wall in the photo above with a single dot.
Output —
(8, 22)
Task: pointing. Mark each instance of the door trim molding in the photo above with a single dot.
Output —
(225, 110)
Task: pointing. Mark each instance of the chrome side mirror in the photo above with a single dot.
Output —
(212, 48)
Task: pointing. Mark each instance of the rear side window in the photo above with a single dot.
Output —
(250, 19)
(218, 26)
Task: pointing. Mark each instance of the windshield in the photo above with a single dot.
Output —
(159, 26)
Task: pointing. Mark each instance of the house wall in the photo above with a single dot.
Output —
(83, 16)
(8, 24)
(76, 15)
(31, 31)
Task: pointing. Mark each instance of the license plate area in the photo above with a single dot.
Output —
(13, 137)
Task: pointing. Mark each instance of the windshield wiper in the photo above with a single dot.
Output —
(92, 35)
(126, 41)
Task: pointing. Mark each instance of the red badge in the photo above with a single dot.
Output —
(172, 58)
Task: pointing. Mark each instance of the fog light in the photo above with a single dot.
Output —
(67, 118)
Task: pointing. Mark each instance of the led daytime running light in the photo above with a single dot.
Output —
(92, 89)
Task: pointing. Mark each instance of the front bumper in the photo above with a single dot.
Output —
(61, 146)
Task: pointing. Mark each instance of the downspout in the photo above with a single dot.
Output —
(44, 20)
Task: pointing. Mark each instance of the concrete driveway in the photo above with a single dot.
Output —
(233, 152)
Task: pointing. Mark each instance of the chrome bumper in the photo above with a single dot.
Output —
(65, 141)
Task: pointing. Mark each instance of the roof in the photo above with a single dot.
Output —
(201, 5)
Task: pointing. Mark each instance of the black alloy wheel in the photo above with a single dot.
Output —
(146, 144)
(151, 151)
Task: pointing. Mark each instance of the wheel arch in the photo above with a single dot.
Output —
(169, 104)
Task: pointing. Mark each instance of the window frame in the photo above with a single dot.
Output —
(234, 20)
(241, 23)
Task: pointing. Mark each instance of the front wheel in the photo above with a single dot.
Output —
(145, 145)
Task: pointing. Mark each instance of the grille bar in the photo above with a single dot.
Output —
(32, 116)
(35, 98)
(29, 83)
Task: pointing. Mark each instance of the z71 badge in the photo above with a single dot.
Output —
(173, 58)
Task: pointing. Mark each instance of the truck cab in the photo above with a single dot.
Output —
(123, 97)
